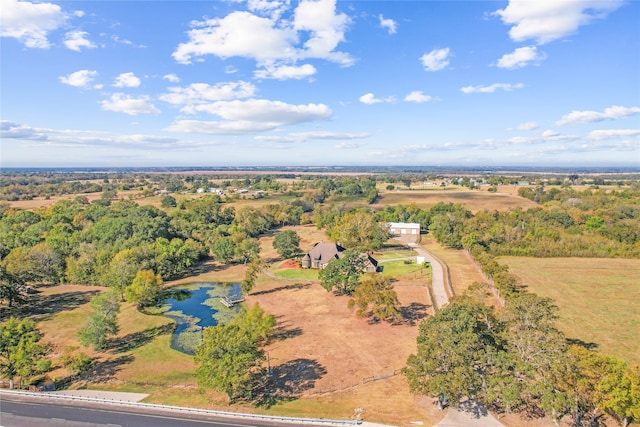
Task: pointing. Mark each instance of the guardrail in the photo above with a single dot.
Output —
(320, 421)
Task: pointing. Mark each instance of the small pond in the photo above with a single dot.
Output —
(196, 306)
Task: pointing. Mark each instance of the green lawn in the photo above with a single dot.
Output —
(599, 299)
(412, 272)
(298, 274)
(394, 254)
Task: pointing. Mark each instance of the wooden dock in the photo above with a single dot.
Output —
(230, 302)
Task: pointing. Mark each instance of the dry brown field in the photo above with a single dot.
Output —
(474, 200)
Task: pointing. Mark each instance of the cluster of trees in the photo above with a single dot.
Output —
(231, 356)
(371, 294)
(516, 361)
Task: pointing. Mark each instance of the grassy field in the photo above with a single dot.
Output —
(599, 299)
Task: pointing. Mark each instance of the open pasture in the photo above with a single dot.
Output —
(599, 299)
(474, 200)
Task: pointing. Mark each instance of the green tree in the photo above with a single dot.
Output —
(286, 243)
(103, 322)
(257, 323)
(230, 360)
(620, 388)
(358, 230)
(12, 287)
(145, 289)
(255, 267)
(453, 351)
(168, 202)
(530, 330)
(223, 249)
(247, 249)
(20, 348)
(376, 298)
(343, 274)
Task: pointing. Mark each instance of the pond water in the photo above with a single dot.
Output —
(195, 307)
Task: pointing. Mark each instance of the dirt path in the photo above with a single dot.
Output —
(437, 276)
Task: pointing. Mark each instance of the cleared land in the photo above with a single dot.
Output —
(599, 299)
(474, 200)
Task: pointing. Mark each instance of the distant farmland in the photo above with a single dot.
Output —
(474, 200)
(599, 299)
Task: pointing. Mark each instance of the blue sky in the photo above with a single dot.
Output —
(320, 82)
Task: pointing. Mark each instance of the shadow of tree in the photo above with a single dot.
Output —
(289, 380)
(207, 265)
(138, 339)
(284, 331)
(295, 286)
(413, 312)
(473, 408)
(100, 372)
(579, 342)
(41, 307)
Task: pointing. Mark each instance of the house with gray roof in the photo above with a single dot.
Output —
(323, 253)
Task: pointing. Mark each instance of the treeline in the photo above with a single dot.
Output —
(108, 241)
(589, 223)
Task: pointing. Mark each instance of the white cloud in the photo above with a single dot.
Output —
(545, 21)
(74, 137)
(312, 135)
(273, 8)
(492, 88)
(270, 40)
(126, 80)
(171, 77)
(349, 145)
(75, 40)
(417, 96)
(326, 29)
(612, 113)
(285, 72)
(199, 93)
(369, 99)
(598, 135)
(81, 78)
(252, 115)
(388, 24)
(238, 34)
(528, 126)
(436, 60)
(521, 57)
(30, 23)
(122, 103)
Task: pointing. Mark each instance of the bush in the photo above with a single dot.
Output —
(76, 362)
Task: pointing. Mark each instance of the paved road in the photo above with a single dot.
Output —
(25, 411)
(437, 276)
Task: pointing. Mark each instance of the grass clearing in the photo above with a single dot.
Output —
(599, 299)
(404, 271)
(297, 274)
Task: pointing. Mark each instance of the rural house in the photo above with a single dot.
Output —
(323, 253)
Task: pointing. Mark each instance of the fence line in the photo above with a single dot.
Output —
(347, 386)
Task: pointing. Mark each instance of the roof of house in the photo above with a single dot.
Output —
(324, 251)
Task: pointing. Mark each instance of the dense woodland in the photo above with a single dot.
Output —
(511, 358)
